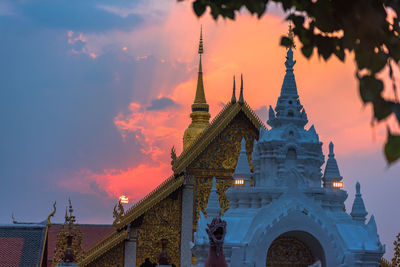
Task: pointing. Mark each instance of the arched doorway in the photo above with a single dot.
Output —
(294, 249)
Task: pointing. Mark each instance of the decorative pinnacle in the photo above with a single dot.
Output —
(233, 100)
(331, 154)
(241, 98)
(201, 40)
(358, 187)
(291, 36)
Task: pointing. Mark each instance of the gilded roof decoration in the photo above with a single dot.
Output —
(211, 132)
(171, 184)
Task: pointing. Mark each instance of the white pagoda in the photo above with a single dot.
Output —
(286, 212)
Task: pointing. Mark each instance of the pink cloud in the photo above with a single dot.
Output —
(328, 90)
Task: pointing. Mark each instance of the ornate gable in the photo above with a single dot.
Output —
(213, 153)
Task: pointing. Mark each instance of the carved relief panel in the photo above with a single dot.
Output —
(219, 161)
(112, 258)
(161, 224)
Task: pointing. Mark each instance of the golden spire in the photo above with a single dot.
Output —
(200, 102)
(200, 116)
(233, 99)
(241, 98)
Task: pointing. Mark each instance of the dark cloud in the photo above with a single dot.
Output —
(76, 15)
(162, 104)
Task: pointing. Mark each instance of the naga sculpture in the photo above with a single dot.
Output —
(216, 232)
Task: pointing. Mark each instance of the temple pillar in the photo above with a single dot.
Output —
(187, 221)
(130, 249)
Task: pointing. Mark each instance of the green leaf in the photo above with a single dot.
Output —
(396, 111)
(307, 51)
(370, 88)
(392, 148)
(339, 52)
(199, 8)
(285, 41)
(382, 108)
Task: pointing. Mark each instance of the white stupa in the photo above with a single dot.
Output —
(291, 213)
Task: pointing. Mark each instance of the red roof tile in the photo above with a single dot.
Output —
(91, 233)
(11, 251)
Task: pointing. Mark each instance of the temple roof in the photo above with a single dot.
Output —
(91, 233)
(218, 124)
(22, 244)
(172, 183)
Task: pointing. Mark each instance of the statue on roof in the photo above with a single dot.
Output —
(118, 213)
(69, 240)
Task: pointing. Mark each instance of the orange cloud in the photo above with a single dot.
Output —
(328, 90)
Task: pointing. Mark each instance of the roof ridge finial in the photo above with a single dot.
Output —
(233, 99)
(241, 98)
(358, 211)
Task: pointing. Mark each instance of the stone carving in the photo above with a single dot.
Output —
(162, 222)
(164, 258)
(216, 231)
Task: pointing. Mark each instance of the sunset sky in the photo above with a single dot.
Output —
(94, 94)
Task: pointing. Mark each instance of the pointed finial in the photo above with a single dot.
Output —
(233, 100)
(358, 211)
(213, 208)
(51, 214)
(242, 169)
(331, 154)
(201, 40)
(291, 36)
(241, 98)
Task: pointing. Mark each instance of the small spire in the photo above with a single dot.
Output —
(242, 170)
(241, 98)
(332, 169)
(201, 40)
(233, 100)
(291, 36)
(358, 211)
(213, 209)
(200, 102)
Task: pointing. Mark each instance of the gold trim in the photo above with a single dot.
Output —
(103, 246)
(385, 263)
(44, 245)
(158, 194)
(217, 125)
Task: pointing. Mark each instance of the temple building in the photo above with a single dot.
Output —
(290, 214)
(266, 182)
(42, 244)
